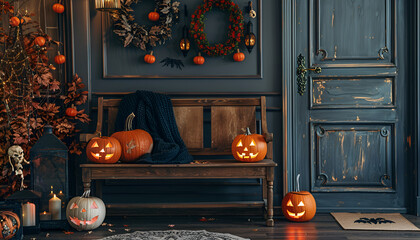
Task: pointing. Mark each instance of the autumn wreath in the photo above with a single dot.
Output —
(140, 36)
(235, 28)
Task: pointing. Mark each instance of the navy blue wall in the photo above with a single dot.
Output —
(86, 49)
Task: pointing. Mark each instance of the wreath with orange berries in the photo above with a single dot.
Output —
(235, 28)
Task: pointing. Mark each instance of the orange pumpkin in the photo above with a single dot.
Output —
(134, 143)
(238, 56)
(298, 206)
(199, 60)
(153, 16)
(71, 111)
(14, 21)
(58, 8)
(9, 224)
(40, 41)
(60, 59)
(249, 147)
(103, 150)
(149, 58)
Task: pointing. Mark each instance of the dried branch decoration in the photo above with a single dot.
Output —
(132, 33)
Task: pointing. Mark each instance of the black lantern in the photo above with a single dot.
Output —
(30, 202)
(184, 44)
(49, 175)
(250, 38)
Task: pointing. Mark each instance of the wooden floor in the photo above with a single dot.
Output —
(323, 226)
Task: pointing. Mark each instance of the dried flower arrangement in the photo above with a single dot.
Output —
(30, 95)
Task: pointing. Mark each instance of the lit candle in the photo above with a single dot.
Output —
(28, 214)
(62, 197)
(55, 208)
(51, 193)
(45, 216)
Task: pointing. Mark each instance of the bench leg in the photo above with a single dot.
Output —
(270, 211)
(86, 178)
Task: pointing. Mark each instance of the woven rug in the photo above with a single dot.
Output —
(174, 235)
(374, 221)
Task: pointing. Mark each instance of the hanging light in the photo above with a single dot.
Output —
(184, 44)
(107, 5)
(250, 38)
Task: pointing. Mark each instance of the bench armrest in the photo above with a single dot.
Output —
(85, 137)
(268, 137)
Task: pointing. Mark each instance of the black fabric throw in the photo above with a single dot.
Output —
(154, 114)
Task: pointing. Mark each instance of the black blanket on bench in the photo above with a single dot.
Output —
(155, 115)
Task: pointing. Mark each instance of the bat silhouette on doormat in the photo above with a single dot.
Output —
(373, 220)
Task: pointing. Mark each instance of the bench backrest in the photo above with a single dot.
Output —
(228, 118)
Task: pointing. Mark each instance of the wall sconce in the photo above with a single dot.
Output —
(184, 44)
(107, 5)
(250, 38)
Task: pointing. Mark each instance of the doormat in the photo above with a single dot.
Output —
(374, 221)
(174, 235)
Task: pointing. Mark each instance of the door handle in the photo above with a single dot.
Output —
(301, 73)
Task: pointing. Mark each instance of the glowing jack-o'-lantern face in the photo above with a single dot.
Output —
(103, 150)
(249, 147)
(299, 206)
(85, 213)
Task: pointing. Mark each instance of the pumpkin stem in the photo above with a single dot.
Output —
(297, 180)
(86, 194)
(248, 132)
(129, 122)
(151, 53)
(199, 54)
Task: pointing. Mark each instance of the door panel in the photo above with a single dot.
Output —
(349, 157)
(348, 132)
(352, 31)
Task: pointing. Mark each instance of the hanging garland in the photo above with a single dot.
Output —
(235, 28)
(132, 33)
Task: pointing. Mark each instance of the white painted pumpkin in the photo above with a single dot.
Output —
(85, 212)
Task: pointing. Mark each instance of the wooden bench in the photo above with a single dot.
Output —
(228, 118)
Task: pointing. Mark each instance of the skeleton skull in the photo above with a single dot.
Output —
(16, 153)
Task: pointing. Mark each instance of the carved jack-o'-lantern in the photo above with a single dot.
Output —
(249, 147)
(103, 150)
(85, 212)
(299, 206)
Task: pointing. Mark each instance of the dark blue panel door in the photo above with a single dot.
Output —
(349, 139)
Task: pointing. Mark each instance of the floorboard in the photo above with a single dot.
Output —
(323, 226)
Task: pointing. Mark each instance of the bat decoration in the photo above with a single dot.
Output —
(172, 62)
(373, 220)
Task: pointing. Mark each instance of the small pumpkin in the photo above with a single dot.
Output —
(60, 59)
(58, 8)
(71, 111)
(199, 60)
(85, 212)
(249, 147)
(298, 206)
(40, 41)
(15, 21)
(153, 16)
(238, 56)
(149, 58)
(9, 224)
(134, 143)
(103, 150)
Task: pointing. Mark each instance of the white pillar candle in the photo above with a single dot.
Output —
(45, 216)
(28, 214)
(55, 208)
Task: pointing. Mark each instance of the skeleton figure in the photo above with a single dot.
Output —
(16, 159)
